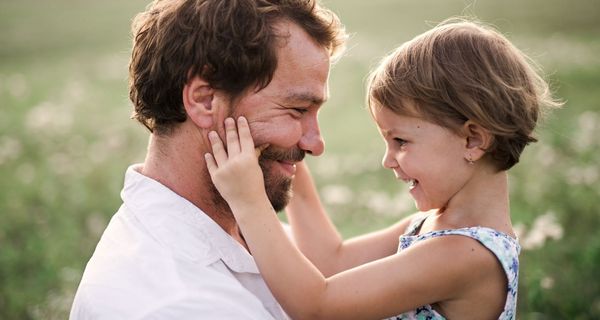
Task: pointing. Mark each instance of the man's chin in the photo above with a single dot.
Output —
(278, 191)
(278, 188)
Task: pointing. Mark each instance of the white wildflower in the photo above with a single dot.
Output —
(544, 227)
(588, 175)
(588, 129)
(74, 91)
(96, 223)
(25, 173)
(70, 275)
(547, 283)
(48, 118)
(546, 155)
(337, 194)
(378, 202)
(10, 149)
(17, 85)
(111, 67)
(519, 230)
(61, 163)
(402, 203)
(326, 167)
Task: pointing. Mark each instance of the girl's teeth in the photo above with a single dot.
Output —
(412, 183)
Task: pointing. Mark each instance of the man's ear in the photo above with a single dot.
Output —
(478, 140)
(198, 98)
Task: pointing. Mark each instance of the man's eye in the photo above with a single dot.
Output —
(300, 110)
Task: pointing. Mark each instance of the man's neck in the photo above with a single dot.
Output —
(177, 162)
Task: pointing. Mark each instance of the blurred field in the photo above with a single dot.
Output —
(66, 139)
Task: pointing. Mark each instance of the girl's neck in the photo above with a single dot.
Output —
(483, 201)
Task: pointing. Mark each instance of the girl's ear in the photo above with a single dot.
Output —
(478, 140)
(198, 98)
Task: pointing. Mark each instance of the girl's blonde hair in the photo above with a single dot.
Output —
(462, 70)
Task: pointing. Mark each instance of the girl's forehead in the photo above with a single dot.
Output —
(391, 122)
(387, 114)
(403, 107)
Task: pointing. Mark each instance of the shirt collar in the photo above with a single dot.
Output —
(180, 225)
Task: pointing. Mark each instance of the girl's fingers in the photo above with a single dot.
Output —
(258, 150)
(233, 143)
(246, 141)
(210, 163)
(237, 142)
(219, 154)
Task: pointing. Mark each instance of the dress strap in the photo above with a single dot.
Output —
(415, 225)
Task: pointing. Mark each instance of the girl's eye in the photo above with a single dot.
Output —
(400, 141)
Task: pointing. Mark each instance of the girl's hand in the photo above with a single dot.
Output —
(235, 171)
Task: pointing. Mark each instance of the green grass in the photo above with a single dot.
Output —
(66, 139)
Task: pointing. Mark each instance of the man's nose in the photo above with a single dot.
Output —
(311, 140)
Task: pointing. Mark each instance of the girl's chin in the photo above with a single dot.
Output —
(421, 206)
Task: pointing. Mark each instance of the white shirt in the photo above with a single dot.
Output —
(162, 258)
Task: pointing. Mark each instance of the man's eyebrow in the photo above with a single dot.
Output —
(304, 97)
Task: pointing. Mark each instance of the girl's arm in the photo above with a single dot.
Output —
(318, 239)
(424, 273)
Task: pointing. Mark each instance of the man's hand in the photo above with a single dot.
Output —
(235, 171)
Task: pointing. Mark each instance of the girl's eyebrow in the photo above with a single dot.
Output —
(396, 132)
(388, 132)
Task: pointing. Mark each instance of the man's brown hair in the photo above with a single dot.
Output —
(231, 44)
(462, 70)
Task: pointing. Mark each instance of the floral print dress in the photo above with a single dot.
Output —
(503, 246)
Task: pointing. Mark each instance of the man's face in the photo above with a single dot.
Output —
(284, 114)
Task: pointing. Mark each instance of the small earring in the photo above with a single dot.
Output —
(470, 160)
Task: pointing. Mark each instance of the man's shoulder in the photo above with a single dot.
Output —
(134, 273)
(140, 284)
(131, 251)
(218, 298)
(133, 235)
(157, 259)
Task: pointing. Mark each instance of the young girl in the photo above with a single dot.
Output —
(455, 106)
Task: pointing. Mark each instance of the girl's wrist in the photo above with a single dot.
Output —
(253, 207)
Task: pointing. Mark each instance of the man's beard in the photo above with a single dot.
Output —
(277, 186)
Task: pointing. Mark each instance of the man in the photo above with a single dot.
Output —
(174, 250)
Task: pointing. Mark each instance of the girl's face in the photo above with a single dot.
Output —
(426, 156)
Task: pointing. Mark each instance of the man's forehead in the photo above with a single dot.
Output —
(295, 94)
